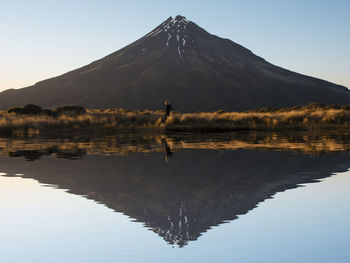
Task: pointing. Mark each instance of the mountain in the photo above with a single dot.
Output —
(181, 62)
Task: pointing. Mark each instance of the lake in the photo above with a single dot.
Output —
(229, 197)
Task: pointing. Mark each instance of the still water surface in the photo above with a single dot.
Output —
(176, 198)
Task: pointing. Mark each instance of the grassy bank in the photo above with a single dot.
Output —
(111, 121)
(91, 122)
(260, 121)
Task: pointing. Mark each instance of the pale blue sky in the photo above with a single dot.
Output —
(42, 39)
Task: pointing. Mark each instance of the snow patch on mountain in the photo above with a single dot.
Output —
(173, 28)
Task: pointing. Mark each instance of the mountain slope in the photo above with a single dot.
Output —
(183, 63)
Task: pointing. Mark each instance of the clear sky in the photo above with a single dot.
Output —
(42, 39)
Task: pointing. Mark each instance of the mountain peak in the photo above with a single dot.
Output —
(173, 32)
(178, 18)
(171, 24)
(181, 18)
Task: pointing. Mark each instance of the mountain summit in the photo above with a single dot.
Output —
(181, 62)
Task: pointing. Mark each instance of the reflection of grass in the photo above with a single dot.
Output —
(96, 121)
(124, 144)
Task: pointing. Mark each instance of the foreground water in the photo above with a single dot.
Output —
(176, 198)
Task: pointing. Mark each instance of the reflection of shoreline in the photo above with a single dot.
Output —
(121, 145)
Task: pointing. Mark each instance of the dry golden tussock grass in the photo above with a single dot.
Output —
(296, 119)
(114, 120)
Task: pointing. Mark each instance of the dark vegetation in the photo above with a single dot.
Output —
(32, 109)
(311, 106)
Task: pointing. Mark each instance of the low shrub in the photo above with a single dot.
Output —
(31, 109)
(70, 109)
(15, 110)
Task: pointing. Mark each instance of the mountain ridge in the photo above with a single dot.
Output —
(181, 62)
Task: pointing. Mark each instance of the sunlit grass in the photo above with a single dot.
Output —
(116, 120)
(294, 119)
(94, 120)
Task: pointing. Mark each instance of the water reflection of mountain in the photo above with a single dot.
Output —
(183, 198)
